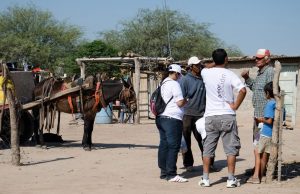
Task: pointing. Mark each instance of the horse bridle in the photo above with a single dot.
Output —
(99, 98)
(125, 94)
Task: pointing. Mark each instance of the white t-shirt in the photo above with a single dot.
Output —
(220, 85)
(171, 88)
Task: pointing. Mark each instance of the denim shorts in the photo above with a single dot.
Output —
(223, 126)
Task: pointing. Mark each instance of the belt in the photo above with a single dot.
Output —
(165, 117)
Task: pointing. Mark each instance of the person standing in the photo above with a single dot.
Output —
(265, 75)
(193, 89)
(169, 124)
(220, 115)
(264, 143)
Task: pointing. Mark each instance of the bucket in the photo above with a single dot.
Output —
(105, 115)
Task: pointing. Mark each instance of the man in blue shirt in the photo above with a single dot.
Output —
(193, 89)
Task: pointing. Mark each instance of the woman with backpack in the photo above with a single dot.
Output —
(169, 124)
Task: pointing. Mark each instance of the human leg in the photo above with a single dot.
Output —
(231, 145)
(263, 163)
(162, 148)
(256, 172)
(231, 160)
(173, 134)
(188, 160)
(209, 147)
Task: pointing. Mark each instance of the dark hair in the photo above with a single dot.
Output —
(166, 73)
(269, 89)
(219, 56)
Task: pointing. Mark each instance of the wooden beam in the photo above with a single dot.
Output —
(124, 59)
(53, 97)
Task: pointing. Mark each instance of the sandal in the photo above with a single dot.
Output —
(253, 180)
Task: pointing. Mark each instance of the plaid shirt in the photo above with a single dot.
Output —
(264, 76)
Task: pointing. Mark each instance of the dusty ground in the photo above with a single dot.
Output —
(125, 161)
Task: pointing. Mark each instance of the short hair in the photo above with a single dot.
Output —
(269, 89)
(219, 56)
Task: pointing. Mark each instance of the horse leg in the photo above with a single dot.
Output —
(58, 123)
(87, 134)
(36, 125)
(42, 119)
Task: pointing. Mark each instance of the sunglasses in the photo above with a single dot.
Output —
(257, 58)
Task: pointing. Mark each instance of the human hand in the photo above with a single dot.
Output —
(210, 65)
(245, 74)
(259, 119)
(232, 106)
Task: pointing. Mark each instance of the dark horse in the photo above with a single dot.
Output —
(99, 94)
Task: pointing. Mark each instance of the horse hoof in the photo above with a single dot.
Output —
(44, 147)
(87, 149)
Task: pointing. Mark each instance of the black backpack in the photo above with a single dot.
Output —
(157, 103)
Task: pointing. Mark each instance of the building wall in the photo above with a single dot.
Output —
(148, 85)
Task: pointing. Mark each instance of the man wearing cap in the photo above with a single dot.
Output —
(193, 88)
(265, 75)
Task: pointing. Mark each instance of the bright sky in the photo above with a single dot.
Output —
(248, 24)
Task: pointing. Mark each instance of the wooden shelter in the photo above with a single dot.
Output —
(142, 69)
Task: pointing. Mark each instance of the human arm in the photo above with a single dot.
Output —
(240, 97)
(184, 86)
(209, 65)
(248, 80)
(178, 94)
(182, 102)
(264, 120)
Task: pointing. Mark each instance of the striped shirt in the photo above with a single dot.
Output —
(264, 76)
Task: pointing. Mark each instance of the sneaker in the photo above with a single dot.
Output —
(233, 183)
(204, 182)
(178, 179)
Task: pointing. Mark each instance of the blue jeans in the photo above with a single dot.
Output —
(170, 132)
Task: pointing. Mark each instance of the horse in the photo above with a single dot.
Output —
(99, 94)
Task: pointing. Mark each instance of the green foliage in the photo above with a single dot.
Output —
(92, 49)
(147, 35)
(33, 36)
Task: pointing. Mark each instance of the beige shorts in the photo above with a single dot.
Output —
(264, 144)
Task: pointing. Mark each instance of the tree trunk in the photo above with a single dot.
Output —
(15, 138)
(276, 125)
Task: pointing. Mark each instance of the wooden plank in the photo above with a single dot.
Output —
(53, 97)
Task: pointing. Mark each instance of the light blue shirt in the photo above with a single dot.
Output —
(269, 112)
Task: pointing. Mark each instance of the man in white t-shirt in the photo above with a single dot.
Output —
(220, 116)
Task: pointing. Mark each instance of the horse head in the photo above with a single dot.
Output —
(128, 96)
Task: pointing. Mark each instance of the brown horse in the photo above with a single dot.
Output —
(97, 96)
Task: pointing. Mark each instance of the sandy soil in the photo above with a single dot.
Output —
(125, 161)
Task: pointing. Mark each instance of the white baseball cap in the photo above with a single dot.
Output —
(262, 53)
(193, 61)
(175, 68)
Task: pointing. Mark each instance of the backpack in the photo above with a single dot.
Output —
(157, 103)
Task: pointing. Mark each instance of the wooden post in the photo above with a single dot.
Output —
(15, 138)
(82, 68)
(280, 138)
(137, 66)
(276, 125)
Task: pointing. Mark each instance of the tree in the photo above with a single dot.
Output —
(94, 49)
(147, 34)
(35, 37)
